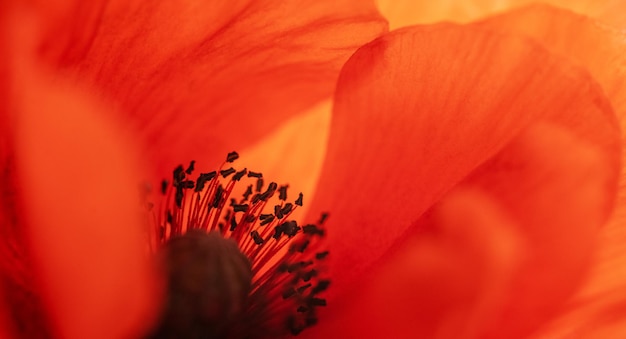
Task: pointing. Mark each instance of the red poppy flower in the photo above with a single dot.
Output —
(190, 81)
(468, 171)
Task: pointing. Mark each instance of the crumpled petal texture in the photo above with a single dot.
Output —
(453, 98)
(198, 79)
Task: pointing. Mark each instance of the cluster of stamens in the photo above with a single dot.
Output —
(285, 258)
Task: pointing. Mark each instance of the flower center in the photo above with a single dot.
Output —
(235, 267)
(208, 281)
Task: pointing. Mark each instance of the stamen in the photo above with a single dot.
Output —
(285, 263)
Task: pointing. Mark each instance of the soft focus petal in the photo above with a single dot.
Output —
(598, 316)
(599, 308)
(495, 263)
(24, 310)
(602, 51)
(559, 189)
(443, 282)
(79, 189)
(409, 12)
(420, 108)
(5, 328)
(198, 79)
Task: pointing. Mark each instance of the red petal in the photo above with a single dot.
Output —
(199, 79)
(559, 189)
(497, 264)
(603, 52)
(79, 191)
(5, 329)
(600, 49)
(594, 316)
(20, 294)
(420, 108)
(442, 283)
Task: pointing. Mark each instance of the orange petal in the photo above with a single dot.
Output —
(79, 180)
(560, 189)
(410, 12)
(21, 295)
(444, 282)
(199, 79)
(596, 316)
(602, 51)
(420, 108)
(498, 255)
(599, 308)
(294, 153)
